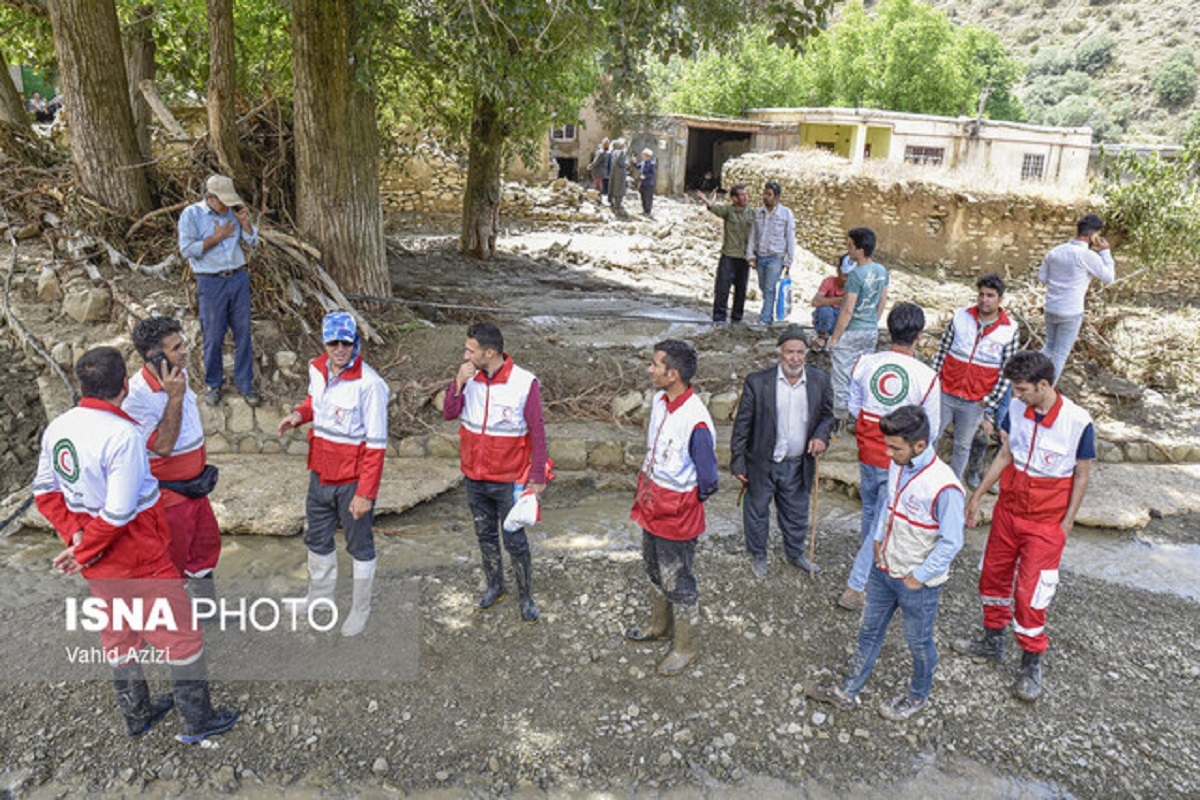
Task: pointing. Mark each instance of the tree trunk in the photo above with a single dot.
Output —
(337, 149)
(139, 64)
(222, 90)
(481, 203)
(11, 109)
(104, 146)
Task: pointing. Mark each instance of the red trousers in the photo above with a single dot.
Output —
(195, 537)
(1020, 575)
(171, 629)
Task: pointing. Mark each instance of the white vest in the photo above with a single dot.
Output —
(912, 529)
(1046, 452)
(97, 459)
(497, 409)
(350, 412)
(147, 406)
(668, 437)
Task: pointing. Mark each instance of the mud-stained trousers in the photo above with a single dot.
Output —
(1031, 551)
(670, 565)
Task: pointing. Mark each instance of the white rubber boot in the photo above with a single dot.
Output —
(322, 579)
(364, 577)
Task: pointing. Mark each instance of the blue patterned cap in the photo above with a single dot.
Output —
(339, 326)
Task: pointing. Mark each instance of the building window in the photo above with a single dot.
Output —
(1033, 167)
(563, 133)
(926, 156)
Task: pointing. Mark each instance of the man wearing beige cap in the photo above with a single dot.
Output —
(211, 233)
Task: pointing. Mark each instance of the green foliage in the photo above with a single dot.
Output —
(1155, 204)
(1175, 78)
(754, 74)
(1049, 61)
(1095, 54)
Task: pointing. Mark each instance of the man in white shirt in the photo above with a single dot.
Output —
(771, 246)
(1067, 270)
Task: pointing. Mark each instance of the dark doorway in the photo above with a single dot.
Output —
(707, 152)
(568, 168)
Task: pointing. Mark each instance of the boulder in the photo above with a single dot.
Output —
(48, 288)
(83, 302)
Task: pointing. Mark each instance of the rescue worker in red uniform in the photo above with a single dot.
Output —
(95, 487)
(502, 449)
(1045, 459)
(163, 403)
(678, 474)
(970, 359)
(347, 406)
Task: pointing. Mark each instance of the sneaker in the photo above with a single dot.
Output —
(252, 398)
(212, 395)
(900, 708)
(759, 566)
(830, 693)
(852, 600)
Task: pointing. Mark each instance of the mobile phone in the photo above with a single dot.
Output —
(159, 360)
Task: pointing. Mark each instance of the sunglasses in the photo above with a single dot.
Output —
(339, 343)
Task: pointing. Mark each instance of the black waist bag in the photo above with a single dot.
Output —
(198, 486)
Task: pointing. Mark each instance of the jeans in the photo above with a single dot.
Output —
(825, 318)
(490, 502)
(873, 487)
(329, 506)
(919, 607)
(647, 193)
(731, 273)
(670, 564)
(225, 304)
(769, 269)
(966, 416)
(1061, 333)
(854, 343)
(790, 488)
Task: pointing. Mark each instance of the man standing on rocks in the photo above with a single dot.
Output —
(678, 474)
(162, 402)
(95, 487)
(211, 233)
(502, 448)
(733, 270)
(647, 171)
(347, 405)
(599, 168)
(914, 546)
(771, 247)
(857, 330)
(881, 383)
(783, 423)
(1067, 270)
(1045, 459)
(975, 346)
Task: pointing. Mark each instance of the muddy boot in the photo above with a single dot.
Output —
(322, 578)
(975, 460)
(204, 598)
(493, 570)
(660, 620)
(687, 640)
(523, 567)
(133, 698)
(988, 648)
(1029, 686)
(200, 719)
(364, 579)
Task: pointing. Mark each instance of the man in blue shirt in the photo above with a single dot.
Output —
(211, 233)
(857, 330)
(915, 542)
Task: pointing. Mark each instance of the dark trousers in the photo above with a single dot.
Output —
(647, 199)
(490, 503)
(671, 567)
(731, 272)
(329, 506)
(225, 305)
(790, 488)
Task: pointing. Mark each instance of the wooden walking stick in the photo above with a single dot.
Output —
(812, 528)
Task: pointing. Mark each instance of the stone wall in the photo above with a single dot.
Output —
(919, 225)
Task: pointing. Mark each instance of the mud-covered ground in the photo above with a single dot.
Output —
(567, 707)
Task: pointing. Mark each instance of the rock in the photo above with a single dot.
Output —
(30, 230)
(48, 287)
(493, 764)
(569, 453)
(55, 397)
(443, 446)
(212, 418)
(607, 455)
(411, 447)
(818, 717)
(241, 415)
(380, 766)
(248, 445)
(266, 419)
(63, 354)
(723, 406)
(285, 359)
(626, 404)
(83, 302)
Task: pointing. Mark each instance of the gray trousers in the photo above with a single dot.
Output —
(966, 416)
(329, 506)
(790, 488)
(850, 346)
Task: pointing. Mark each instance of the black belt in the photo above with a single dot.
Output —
(225, 273)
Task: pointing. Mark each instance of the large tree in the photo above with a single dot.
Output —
(104, 146)
(11, 109)
(337, 145)
(139, 65)
(222, 91)
(498, 72)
